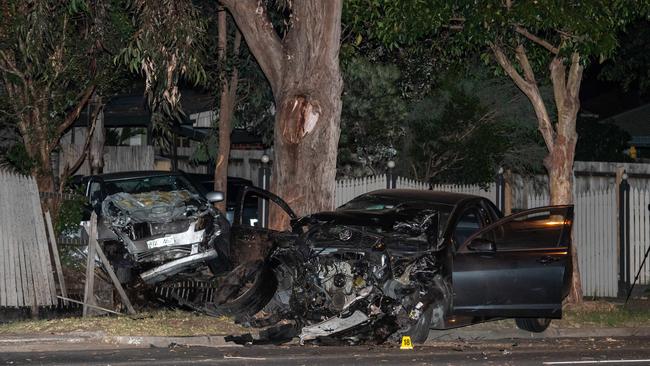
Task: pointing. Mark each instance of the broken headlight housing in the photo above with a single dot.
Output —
(202, 223)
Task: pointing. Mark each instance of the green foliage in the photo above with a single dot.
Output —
(630, 66)
(70, 215)
(51, 53)
(601, 142)
(371, 118)
(17, 159)
(453, 138)
(166, 48)
(589, 27)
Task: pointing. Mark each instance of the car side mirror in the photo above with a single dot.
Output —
(482, 246)
(214, 197)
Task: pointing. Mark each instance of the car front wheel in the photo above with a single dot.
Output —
(536, 325)
(419, 332)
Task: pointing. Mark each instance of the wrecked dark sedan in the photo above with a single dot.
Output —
(400, 262)
(155, 224)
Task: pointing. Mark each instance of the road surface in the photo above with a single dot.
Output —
(585, 351)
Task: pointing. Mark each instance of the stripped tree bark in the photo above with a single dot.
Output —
(303, 71)
(227, 101)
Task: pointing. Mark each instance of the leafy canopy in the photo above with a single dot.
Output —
(587, 27)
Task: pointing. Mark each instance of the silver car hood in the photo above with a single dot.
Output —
(154, 207)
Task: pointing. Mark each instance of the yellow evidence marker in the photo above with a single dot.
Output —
(406, 343)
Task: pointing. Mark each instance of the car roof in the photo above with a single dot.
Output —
(446, 198)
(136, 174)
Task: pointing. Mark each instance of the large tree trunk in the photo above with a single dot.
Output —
(306, 138)
(560, 139)
(303, 71)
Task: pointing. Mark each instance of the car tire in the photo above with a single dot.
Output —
(419, 332)
(536, 325)
(255, 297)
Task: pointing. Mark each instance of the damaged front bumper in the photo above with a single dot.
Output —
(169, 269)
(332, 326)
(161, 234)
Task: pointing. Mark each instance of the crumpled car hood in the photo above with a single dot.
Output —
(154, 207)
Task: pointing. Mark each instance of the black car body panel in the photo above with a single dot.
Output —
(524, 274)
(390, 259)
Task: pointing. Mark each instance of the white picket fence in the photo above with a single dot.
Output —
(639, 234)
(347, 189)
(595, 234)
(595, 237)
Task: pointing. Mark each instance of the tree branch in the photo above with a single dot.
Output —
(532, 92)
(265, 44)
(7, 65)
(506, 65)
(84, 152)
(558, 80)
(521, 30)
(522, 58)
(575, 76)
(74, 114)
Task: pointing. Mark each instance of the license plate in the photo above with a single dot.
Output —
(160, 242)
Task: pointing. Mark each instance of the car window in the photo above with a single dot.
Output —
(250, 214)
(163, 183)
(255, 202)
(95, 193)
(539, 229)
(467, 225)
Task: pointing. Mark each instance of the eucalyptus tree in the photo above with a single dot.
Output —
(54, 55)
(531, 42)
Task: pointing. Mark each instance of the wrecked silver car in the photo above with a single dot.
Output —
(155, 224)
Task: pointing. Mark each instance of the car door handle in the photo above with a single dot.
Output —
(547, 259)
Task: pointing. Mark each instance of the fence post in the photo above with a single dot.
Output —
(500, 199)
(264, 179)
(391, 178)
(624, 236)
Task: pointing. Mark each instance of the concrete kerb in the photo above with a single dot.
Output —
(162, 342)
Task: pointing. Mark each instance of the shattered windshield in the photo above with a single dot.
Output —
(164, 183)
(375, 203)
(371, 203)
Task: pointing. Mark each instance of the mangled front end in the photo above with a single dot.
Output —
(361, 282)
(163, 233)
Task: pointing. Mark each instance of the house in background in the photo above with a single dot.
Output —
(130, 143)
(636, 122)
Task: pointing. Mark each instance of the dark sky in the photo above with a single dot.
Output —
(606, 98)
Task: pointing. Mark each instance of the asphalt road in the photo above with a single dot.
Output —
(591, 351)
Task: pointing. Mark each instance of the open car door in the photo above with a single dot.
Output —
(250, 241)
(520, 266)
